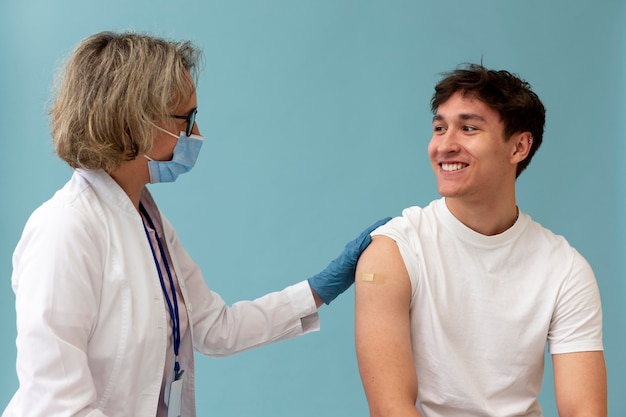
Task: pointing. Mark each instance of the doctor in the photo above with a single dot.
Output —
(110, 306)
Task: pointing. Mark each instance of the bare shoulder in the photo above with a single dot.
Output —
(381, 276)
(381, 264)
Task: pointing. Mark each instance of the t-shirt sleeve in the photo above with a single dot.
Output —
(577, 320)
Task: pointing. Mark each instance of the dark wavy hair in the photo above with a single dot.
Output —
(518, 106)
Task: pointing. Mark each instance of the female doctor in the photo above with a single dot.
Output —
(110, 306)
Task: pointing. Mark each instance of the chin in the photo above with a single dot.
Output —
(449, 193)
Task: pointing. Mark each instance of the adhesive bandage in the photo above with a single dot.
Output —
(371, 277)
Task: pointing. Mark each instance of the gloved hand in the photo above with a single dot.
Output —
(339, 274)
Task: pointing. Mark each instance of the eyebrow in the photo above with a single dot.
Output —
(462, 116)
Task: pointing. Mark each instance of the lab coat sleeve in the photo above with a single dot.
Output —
(56, 269)
(222, 330)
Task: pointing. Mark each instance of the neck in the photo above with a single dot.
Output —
(132, 176)
(486, 219)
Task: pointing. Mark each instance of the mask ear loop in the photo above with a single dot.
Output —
(163, 130)
(167, 131)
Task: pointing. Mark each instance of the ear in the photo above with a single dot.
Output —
(521, 145)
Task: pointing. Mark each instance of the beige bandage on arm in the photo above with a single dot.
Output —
(371, 277)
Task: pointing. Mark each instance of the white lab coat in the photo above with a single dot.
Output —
(91, 320)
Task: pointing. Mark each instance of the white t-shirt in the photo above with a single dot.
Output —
(483, 308)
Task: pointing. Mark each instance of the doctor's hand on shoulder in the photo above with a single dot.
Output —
(339, 274)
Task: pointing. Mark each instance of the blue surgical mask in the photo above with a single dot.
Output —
(185, 155)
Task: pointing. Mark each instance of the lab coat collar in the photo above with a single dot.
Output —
(110, 192)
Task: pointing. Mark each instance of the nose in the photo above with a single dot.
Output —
(446, 142)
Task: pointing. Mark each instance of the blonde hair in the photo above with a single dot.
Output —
(113, 89)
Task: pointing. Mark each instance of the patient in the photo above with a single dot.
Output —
(456, 301)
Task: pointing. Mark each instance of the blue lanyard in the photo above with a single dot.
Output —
(171, 306)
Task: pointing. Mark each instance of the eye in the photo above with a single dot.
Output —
(439, 129)
(468, 128)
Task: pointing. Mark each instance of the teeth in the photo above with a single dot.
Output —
(452, 167)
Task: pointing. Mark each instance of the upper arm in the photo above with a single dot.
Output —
(383, 334)
(56, 277)
(580, 384)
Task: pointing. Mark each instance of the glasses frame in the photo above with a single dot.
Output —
(190, 118)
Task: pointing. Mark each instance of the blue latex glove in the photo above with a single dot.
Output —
(339, 274)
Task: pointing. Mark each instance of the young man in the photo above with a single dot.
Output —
(456, 301)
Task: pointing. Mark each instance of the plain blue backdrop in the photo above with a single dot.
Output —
(316, 118)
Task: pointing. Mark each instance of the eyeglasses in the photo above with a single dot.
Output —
(190, 118)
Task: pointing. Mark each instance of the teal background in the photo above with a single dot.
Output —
(316, 118)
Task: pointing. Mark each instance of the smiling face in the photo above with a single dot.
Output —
(468, 152)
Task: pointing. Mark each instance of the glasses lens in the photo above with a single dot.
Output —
(191, 119)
